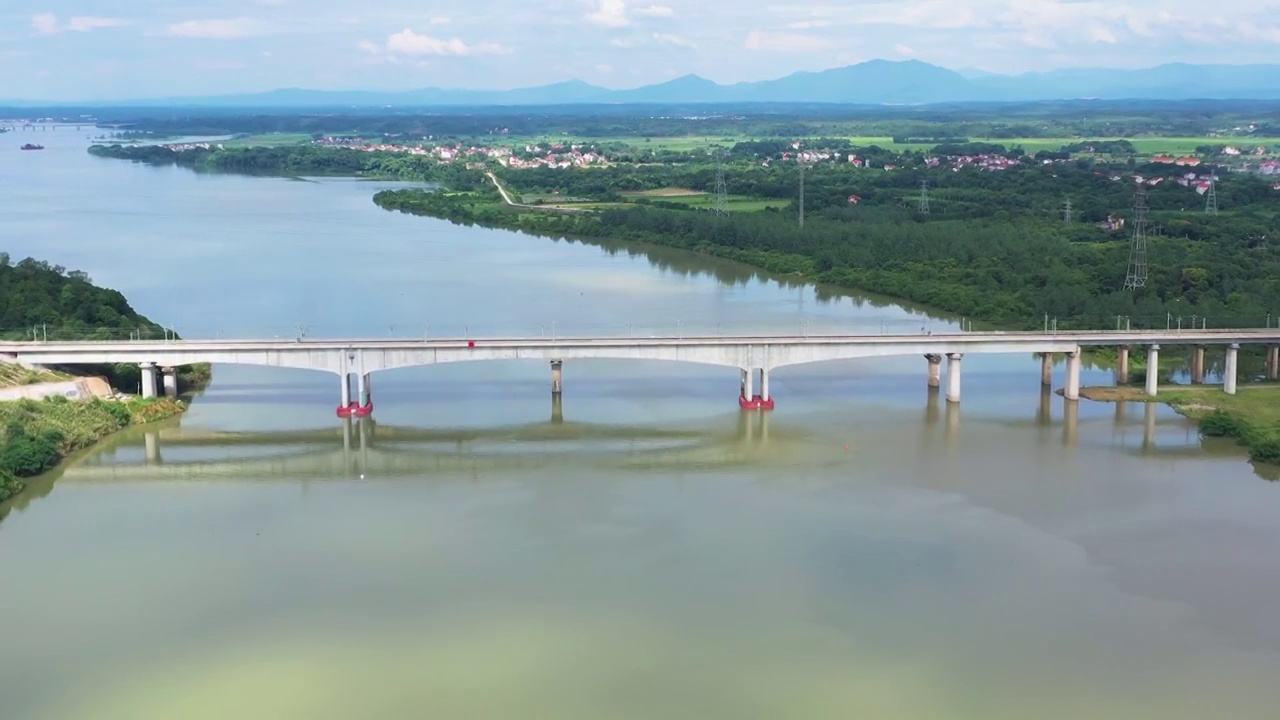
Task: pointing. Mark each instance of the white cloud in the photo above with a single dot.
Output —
(604, 69)
(785, 42)
(904, 50)
(213, 29)
(46, 24)
(656, 11)
(670, 39)
(87, 24)
(610, 13)
(808, 24)
(408, 42)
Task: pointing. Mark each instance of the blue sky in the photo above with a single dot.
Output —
(113, 49)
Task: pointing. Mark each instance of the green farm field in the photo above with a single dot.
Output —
(1152, 145)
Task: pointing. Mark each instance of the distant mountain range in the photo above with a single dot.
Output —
(876, 82)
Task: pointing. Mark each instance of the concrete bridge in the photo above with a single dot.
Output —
(754, 356)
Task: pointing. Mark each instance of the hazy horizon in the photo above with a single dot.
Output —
(109, 50)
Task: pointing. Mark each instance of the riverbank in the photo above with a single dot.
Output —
(1251, 416)
(36, 435)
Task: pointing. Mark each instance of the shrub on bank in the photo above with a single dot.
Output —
(1261, 442)
(35, 435)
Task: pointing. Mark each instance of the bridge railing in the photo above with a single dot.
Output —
(818, 325)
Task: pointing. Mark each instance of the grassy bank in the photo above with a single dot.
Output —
(35, 435)
(1251, 416)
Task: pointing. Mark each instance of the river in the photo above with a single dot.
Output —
(643, 550)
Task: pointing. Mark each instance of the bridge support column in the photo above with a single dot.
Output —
(362, 405)
(935, 370)
(1046, 368)
(148, 379)
(556, 377)
(170, 382)
(1273, 362)
(1197, 365)
(1122, 365)
(749, 399)
(1153, 369)
(1229, 369)
(1072, 391)
(953, 377)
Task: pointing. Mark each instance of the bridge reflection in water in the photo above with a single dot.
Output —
(359, 446)
(362, 447)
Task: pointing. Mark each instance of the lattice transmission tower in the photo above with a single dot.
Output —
(721, 202)
(1137, 274)
(801, 193)
(924, 197)
(1066, 211)
(1211, 197)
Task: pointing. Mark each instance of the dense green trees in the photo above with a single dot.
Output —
(993, 249)
(39, 301)
(42, 300)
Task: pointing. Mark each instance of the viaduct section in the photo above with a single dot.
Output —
(754, 356)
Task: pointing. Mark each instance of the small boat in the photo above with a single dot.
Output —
(29, 146)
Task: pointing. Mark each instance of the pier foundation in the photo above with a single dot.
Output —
(1197, 365)
(748, 399)
(953, 377)
(1046, 368)
(362, 405)
(935, 370)
(1122, 365)
(557, 378)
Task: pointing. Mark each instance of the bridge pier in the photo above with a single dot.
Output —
(362, 405)
(1046, 368)
(1153, 369)
(1273, 362)
(935, 370)
(1229, 369)
(1122, 365)
(148, 379)
(170, 382)
(556, 377)
(953, 377)
(1072, 390)
(1197, 365)
(749, 400)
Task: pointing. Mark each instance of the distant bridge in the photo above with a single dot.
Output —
(754, 355)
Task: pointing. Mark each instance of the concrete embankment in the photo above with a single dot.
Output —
(77, 389)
